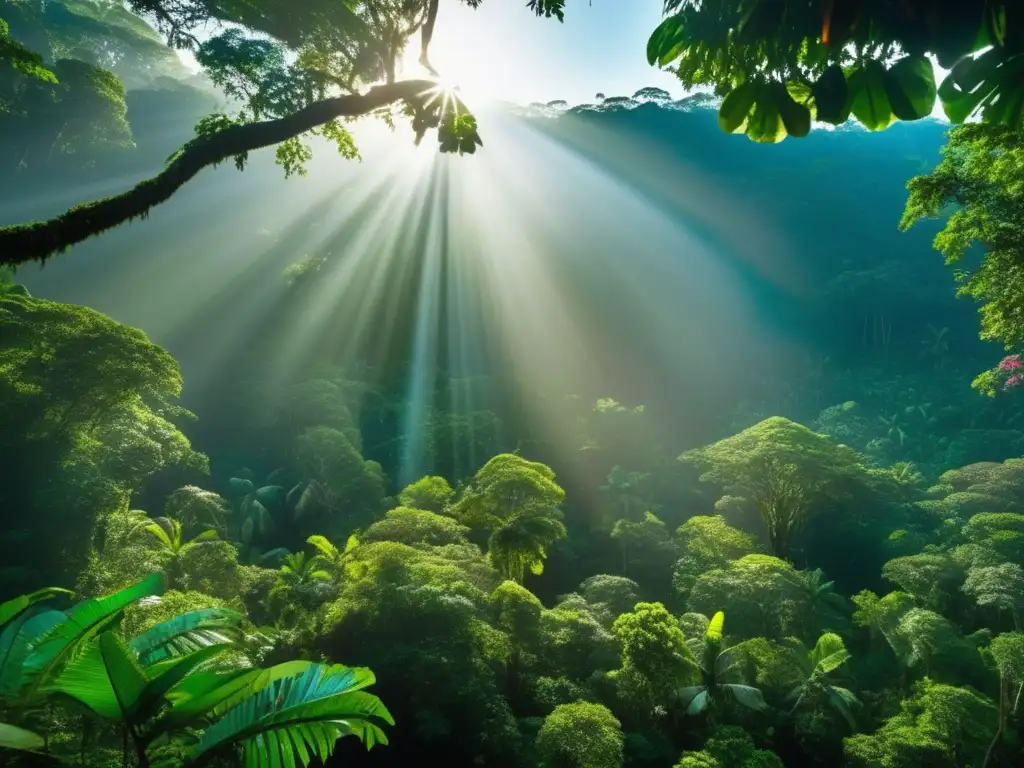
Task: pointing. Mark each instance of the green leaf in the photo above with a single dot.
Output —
(665, 43)
(869, 100)
(16, 643)
(206, 695)
(843, 700)
(12, 608)
(747, 696)
(695, 699)
(309, 710)
(105, 676)
(796, 118)
(910, 87)
(765, 125)
(164, 675)
(736, 106)
(12, 737)
(968, 84)
(83, 622)
(831, 96)
(1005, 106)
(185, 633)
(828, 644)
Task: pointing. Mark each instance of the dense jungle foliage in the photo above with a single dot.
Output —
(808, 557)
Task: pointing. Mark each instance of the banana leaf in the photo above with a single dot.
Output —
(186, 633)
(84, 622)
(105, 676)
(16, 644)
(296, 718)
(212, 694)
(12, 608)
(12, 737)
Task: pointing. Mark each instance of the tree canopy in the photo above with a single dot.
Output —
(301, 70)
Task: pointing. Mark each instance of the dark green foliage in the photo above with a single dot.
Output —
(86, 400)
(781, 64)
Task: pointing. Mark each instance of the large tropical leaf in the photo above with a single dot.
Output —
(869, 98)
(829, 654)
(105, 676)
(12, 608)
(695, 699)
(843, 700)
(910, 87)
(83, 622)
(165, 675)
(16, 643)
(299, 717)
(186, 633)
(12, 737)
(210, 694)
(746, 695)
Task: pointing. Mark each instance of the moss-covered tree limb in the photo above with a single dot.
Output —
(37, 241)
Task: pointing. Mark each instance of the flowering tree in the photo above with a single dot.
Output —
(1009, 374)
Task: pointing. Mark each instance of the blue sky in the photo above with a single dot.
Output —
(503, 50)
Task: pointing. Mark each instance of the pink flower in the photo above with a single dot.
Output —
(1011, 363)
(1014, 381)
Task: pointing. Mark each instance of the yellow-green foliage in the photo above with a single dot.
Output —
(581, 735)
(431, 493)
(820, 464)
(416, 527)
(516, 611)
(715, 628)
(506, 486)
(707, 542)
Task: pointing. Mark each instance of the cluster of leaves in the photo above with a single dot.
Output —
(782, 65)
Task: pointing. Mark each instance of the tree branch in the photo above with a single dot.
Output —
(37, 241)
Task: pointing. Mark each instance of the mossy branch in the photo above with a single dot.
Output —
(37, 241)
